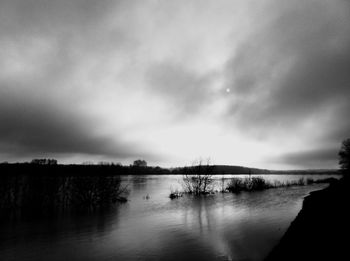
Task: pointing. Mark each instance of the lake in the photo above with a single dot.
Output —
(151, 226)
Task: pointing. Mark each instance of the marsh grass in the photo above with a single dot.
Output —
(203, 184)
(236, 184)
(247, 184)
(29, 195)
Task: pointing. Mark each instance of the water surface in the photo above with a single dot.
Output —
(222, 226)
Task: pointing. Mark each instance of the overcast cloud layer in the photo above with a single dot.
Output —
(257, 83)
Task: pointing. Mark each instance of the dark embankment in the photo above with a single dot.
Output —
(321, 229)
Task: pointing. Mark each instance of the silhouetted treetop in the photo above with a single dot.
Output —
(344, 155)
(140, 163)
(44, 161)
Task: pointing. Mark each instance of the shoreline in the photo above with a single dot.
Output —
(321, 227)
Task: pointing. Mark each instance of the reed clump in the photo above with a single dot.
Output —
(247, 184)
(47, 194)
(237, 184)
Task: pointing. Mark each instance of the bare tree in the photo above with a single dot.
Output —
(198, 179)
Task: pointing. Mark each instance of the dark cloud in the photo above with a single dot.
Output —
(46, 16)
(44, 45)
(315, 158)
(74, 30)
(185, 89)
(293, 69)
(31, 125)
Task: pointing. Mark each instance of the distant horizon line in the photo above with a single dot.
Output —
(107, 163)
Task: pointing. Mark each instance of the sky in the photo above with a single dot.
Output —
(253, 83)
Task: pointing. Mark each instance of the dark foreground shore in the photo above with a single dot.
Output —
(321, 229)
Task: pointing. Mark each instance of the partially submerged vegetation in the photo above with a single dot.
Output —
(175, 194)
(198, 179)
(203, 184)
(247, 184)
(236, 185)
(95, 185)
(37, 194)
(198, 184)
